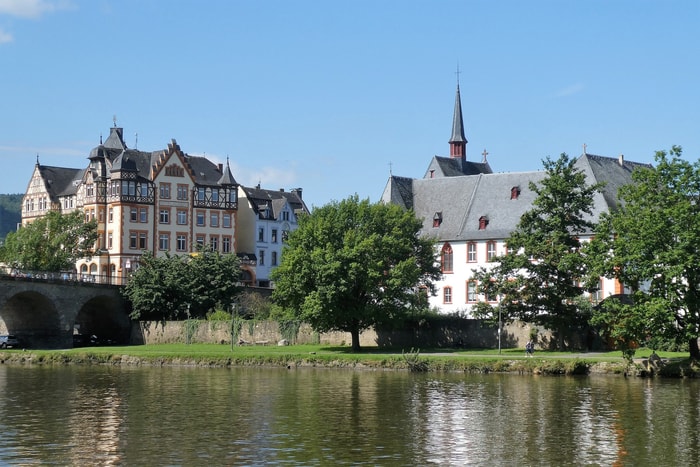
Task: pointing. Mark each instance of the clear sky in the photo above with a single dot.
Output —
(325, 95)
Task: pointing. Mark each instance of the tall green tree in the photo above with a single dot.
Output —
(540, 279)
(53, 242)
(652, 245)
(353, 264)
(181, 286)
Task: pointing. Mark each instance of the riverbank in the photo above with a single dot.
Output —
(317, 356)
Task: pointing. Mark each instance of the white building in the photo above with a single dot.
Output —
(265, 218)
(472, 211)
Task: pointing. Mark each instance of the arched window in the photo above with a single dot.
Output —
(446, 258)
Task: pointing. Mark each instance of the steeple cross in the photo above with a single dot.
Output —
(484, 154)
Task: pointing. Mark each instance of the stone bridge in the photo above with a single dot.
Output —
(46, 313)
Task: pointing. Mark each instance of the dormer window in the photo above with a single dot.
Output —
(483, 222)
(515, 192)
(437, 219)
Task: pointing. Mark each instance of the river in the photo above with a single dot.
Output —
(96, 415)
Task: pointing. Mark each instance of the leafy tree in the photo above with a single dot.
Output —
(175, 287)
(52, 242)
(539, 279)
(652, 245)
(352, 264)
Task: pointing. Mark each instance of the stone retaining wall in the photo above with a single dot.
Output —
(427, 334)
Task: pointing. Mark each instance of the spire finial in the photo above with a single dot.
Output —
(457, 73)
(136, 143)
(390, 172)
(584, 149)
(37, 158)
(484, 154)
(100, 138)
(114, 120)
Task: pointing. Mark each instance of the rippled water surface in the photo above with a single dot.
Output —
(313, 417)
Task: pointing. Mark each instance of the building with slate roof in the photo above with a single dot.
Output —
(163, 201)
(471, 211)
(265, 218)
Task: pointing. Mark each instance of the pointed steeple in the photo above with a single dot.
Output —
(458, 142)
(227, 176)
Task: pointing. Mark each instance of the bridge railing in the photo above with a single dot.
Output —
(52, 276)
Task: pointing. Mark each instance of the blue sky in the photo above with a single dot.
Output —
(325, 95)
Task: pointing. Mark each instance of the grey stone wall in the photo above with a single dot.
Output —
(447, 333)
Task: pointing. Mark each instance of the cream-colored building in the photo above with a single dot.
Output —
(163, 201)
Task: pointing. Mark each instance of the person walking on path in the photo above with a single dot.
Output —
(529, 349)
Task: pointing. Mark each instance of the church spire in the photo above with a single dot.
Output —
(458, 142)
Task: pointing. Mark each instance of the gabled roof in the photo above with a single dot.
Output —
(260, 198)
(61, 181)
(614, 172)
(458, 203)
(455, 167)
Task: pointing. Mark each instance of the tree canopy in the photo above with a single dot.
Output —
(652, 246)
(540, 278)
(353, 264)
(53, 242)
(176, 287)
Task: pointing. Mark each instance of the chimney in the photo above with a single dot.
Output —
(297, 191)
(621, 160)
(221, 168)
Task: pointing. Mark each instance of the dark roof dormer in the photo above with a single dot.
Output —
(483, 222)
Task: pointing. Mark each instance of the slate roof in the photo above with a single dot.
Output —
(276, 199)
(455, 167)
(61, 181)
(460, 201)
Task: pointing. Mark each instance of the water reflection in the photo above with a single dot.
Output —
(254, 416)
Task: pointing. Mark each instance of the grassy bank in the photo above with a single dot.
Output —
(452, 360)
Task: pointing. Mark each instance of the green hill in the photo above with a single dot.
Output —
(10, 213)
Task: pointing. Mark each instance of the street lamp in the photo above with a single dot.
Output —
(499, 329)
(233, 322)
(187, 327)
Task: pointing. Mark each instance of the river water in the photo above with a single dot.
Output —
(95, 415)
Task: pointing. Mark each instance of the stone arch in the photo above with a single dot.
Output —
(104, 318)
(34, 319)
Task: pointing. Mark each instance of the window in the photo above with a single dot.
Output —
(214, 219)
(181, 242)
(447, 295)
(446, 258)
(133, 240)
(437, 219)
(273, 258)
(182, 191)
(165, 190)
(100, 215)
(165, 216)
(201, 194)
(215, 195)
(597, 294)
(285, 235)
(110, 216)
(490, 251)
(181, 217)
(274, 236)
(110, 240)
(214, 242)
(471, 252)
(143, 215)
(471, 291)
(200, 240)
(285, 215)
(142, 240)
(226, 221)
(143, 190)
(261, 234)
(200, 218)
(226, 245)
(261, 258)
(164, 241)
(134, 215)
(137, 240)
(483, 222)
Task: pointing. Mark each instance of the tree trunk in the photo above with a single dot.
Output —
(355, 335)
(694, 349)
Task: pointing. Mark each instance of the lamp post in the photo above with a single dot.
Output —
(499, 329)
(233, 322)
(187, 327)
